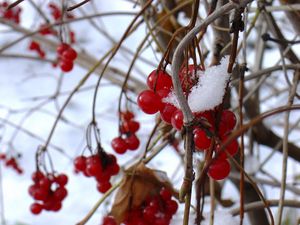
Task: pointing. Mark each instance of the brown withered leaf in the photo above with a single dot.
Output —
(138, 183)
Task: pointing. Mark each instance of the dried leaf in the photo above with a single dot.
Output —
(138, 183)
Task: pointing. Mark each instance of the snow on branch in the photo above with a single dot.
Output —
(209, 91)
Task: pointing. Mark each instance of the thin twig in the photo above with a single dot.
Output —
(285, 147)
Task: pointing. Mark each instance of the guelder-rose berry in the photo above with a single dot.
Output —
(219, 169)
(201, 140)
(69, 54)
(80, 163)
(119, 145)
(103, 187)
(229, 118)
(109, 220)
(177, 119)
(66, 65)
(158, 80)
(132, 142)
(149, 102)
(36, 208)
(166, 112)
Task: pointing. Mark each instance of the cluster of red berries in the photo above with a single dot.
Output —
(66, 56)
(44, 29)
(35, 46)
(151, 101)
(57, 13)
(48, 191)
(220, 167)
(156, 210)
(11, 162)
(101, 166)
(10, 14)
(160, 84)
(128, 128)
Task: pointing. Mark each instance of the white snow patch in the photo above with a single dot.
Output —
(209, 91)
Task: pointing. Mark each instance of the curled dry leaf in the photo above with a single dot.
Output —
(139, 183)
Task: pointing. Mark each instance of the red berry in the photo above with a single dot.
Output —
(109, 220)
(149, 213)
(80, 163)
(171, 207)
(132, 142)
(49, 203)
(127, 115)
(62, 179)
(163, 93)
(162, 221)
(208, 115)
(119, 145)
(36, 176)
(165, 194)
(228, 117)
(34, 45)
(177, 119)
(103, 187)
(167, 112)
(60, 193)
(202, 141)
(62, 48)
(219, 169)
(149, 102)
(158, 80)
(2, 156)
(56, 206)
(104, 176)
(130, 126)
(113, 169)
(36, 208)
(66, 65)
(45, 183)
(69, 54)
(233, 146)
